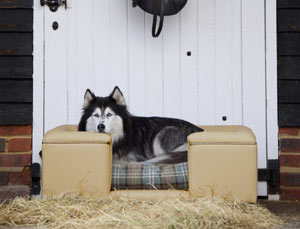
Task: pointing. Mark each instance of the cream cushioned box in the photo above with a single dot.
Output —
(222, 160)
(77, 162)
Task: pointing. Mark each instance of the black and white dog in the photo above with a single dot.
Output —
(147, 140)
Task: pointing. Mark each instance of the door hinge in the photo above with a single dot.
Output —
(271, 175)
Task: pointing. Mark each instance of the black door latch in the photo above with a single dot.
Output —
(54, 4)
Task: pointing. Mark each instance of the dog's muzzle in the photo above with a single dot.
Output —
(101, 127)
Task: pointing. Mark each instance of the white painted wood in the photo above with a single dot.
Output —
(102, 57)
(55, 79)
(228, 63)
(85, 44)
(271, 79)
(236, 63)
(253, 49)
(223, 61)
(100, 44)
(136, 60)
(154, 71)
(219, 44)
(206, 62)
(75, 94)
(254, 106)
(119, 45)
(171, 67)
(38, 82)
(189, 79)
(83, 49)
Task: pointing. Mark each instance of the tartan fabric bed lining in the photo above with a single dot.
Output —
(149, 177)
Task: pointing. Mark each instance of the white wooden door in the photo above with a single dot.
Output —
(103, 43)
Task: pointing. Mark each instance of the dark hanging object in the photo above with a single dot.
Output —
(36, 178)
(159, 8)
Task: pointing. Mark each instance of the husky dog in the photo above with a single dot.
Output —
(146, 140)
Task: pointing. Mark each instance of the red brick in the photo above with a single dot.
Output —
(15, 130)
(12, 191)
(289, 131)
(3, 178)
(289, 145)
(290, 160)
(19, 145)
(290, 194)
(20, 177)
(15, 160)
(290, 179)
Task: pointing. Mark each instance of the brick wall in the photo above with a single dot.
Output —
(288, 43)
(15, 161)
(16, 69)
(289, 163)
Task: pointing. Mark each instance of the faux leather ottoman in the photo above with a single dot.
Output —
(78, 162)
(222, 160)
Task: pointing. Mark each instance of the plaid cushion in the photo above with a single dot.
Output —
(136, 176)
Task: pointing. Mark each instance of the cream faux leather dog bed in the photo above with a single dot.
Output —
(222, 160)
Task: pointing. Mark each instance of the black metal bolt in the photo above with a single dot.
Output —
(224, 118)
(189, 53)
(55, 25)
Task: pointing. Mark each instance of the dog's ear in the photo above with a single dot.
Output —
(88, 97)
(117, 95)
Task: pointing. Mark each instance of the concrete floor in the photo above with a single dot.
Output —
(289, 212)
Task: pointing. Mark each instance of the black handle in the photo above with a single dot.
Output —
(161, 19)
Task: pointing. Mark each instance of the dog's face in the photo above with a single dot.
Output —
(103, 113)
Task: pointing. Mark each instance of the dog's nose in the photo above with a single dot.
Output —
(101, 127)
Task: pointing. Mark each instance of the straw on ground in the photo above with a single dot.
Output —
(74, 211)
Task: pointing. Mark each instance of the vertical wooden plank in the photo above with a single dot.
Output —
(119, 45)
(154, 70)
(38, 82)
(101, 59)
(236, 63)
(271, 67)
(74, 91)
(82, 60)
(171, 65)
(55, 70)
(206, 62)
(136, 54)
(189, 70)
(223, 61)
(253, 56)
(253, 45)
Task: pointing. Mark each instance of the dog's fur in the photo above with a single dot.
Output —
(148, 140)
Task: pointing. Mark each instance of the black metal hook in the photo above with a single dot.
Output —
(53, 4)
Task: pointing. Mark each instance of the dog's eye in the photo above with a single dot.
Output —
(109, 115)
(96, 115)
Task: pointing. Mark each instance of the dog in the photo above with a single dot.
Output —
(146, 140)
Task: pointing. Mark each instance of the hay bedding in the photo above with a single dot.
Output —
(71, 211)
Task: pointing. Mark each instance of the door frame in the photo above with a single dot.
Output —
(38, 80)
(270, 74)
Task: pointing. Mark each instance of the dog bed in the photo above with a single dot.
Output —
(221, 158)
(150, 177)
